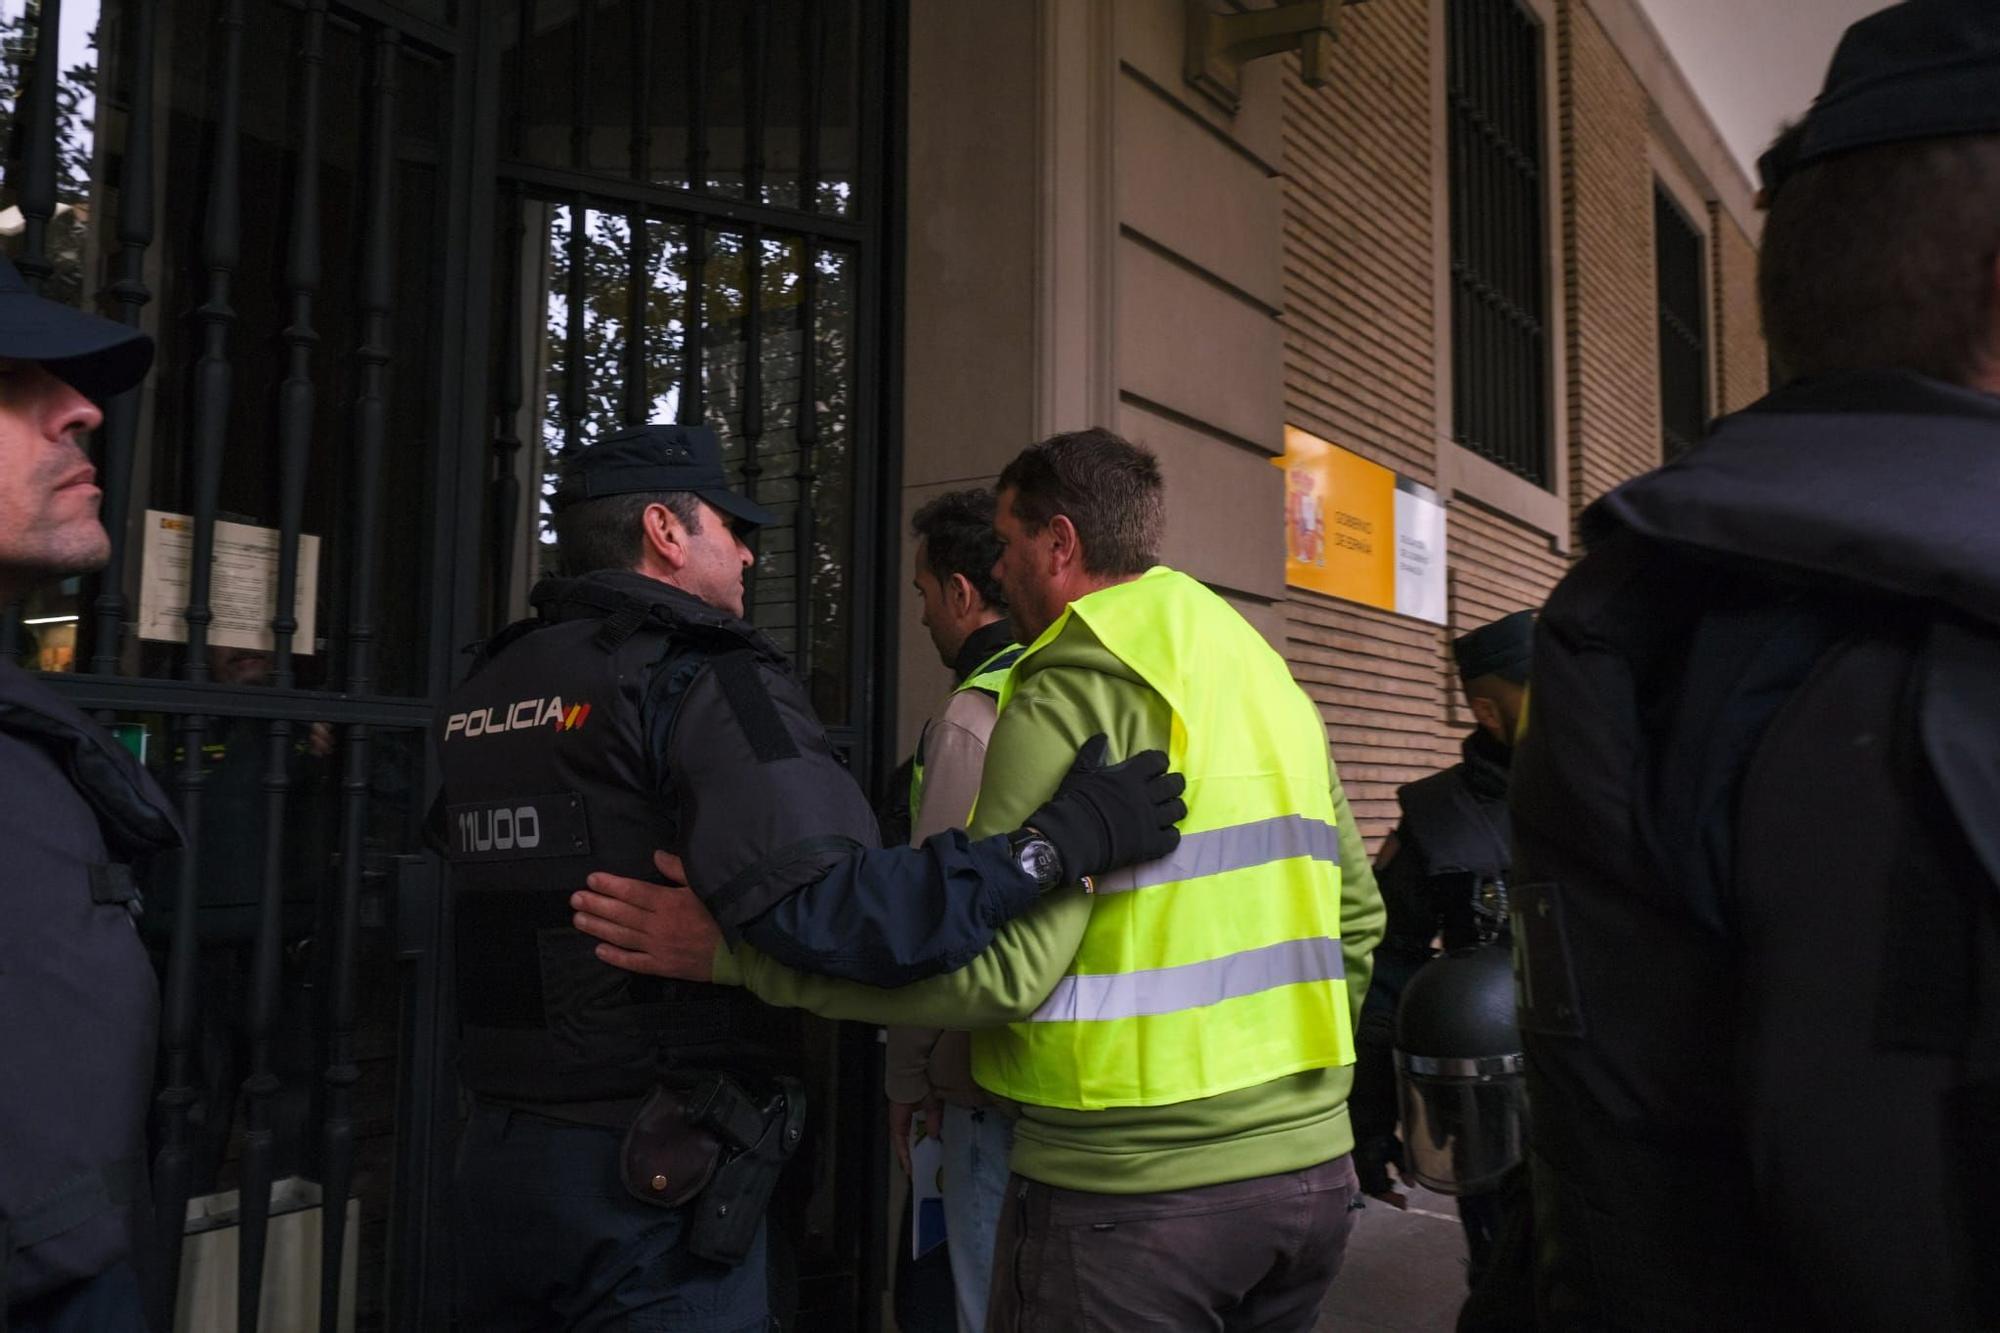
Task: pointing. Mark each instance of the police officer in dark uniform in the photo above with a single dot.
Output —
(1757, 806)
(626, 1130)
(1453, 842)
(79, 1006)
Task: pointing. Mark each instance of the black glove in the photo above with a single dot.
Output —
(1372, 1157)
(1103, 818)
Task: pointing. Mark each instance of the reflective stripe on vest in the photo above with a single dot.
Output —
(1163, 990)
(988, 676)
(1219, 966)
(1235, 848)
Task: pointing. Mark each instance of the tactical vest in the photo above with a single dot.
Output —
(548, 777)
(1460, 837)
(79, 1005)
(987, 678)
(1454, 828)
(1219, 966)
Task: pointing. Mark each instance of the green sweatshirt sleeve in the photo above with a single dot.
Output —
(1363, 918)
(1052, 713)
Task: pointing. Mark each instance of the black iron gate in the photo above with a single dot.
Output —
(399, 258)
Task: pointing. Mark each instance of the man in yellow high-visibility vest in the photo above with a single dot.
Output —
(1178, 1036)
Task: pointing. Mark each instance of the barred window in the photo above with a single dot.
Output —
(1678, 271)
(1499, 282)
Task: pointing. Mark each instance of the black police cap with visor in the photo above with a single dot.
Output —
(652, 459)
(99, 358)
(1922, 69)
(1504, 648)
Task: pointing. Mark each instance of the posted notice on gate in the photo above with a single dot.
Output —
(243, 584)
(1357, 531)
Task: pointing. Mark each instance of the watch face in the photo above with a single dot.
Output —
(1039, 859)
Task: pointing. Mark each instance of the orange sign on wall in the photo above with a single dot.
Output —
(1357, 531)
(1340, 522)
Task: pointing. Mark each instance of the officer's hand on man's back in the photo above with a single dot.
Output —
(661, 929)
(1102, 818)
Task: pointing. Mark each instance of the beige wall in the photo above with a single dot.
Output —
(1093, 243)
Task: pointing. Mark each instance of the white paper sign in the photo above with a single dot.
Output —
(1420, 532)
(243, 584)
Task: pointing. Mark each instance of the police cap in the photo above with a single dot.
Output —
(651, 459)
(99, 358)
(1502, 648)
(1922, 69)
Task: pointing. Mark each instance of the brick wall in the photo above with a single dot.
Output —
(1743, 369)
(1362, 342)
(1607, 239)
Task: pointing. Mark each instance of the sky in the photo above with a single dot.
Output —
(1753, 63)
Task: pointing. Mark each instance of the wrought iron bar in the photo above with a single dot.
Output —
(694, 326)
(697, 85)
(576, 377)
(504, 500)
(640, 16)
(371, 358)
(750, 418)
(805, 430)
(131, 295)
(692, 323)
(37, 196)
(755, 54)
(580, 89)
(295, 417)
(636, 404)
(716, 210)
(124, 694)
(813, 30)
(504, 493)
(215, 317)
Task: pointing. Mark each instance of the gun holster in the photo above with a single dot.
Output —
(716, 1146)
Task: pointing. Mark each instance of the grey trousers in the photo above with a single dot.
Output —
(1249, 1255)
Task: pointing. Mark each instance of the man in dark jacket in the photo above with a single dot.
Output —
(639, 713)
(78, 1001)
(1757, 806)
(1452, 842)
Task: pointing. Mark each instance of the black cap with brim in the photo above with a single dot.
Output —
(98, 357)
(1922, 69)
(739, 507)
(1504, 648)
(657, 459)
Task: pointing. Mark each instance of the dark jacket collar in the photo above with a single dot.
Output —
(564, 599)
(979, 645)
(622, 592)
(1487, 764)
(1885, 480)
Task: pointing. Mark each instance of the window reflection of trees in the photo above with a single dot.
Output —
(780, 469)
(75, 141)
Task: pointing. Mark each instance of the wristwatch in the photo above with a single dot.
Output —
(1037, 856)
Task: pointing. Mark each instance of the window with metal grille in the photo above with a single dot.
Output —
(1499, 282)
(1679, 273)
